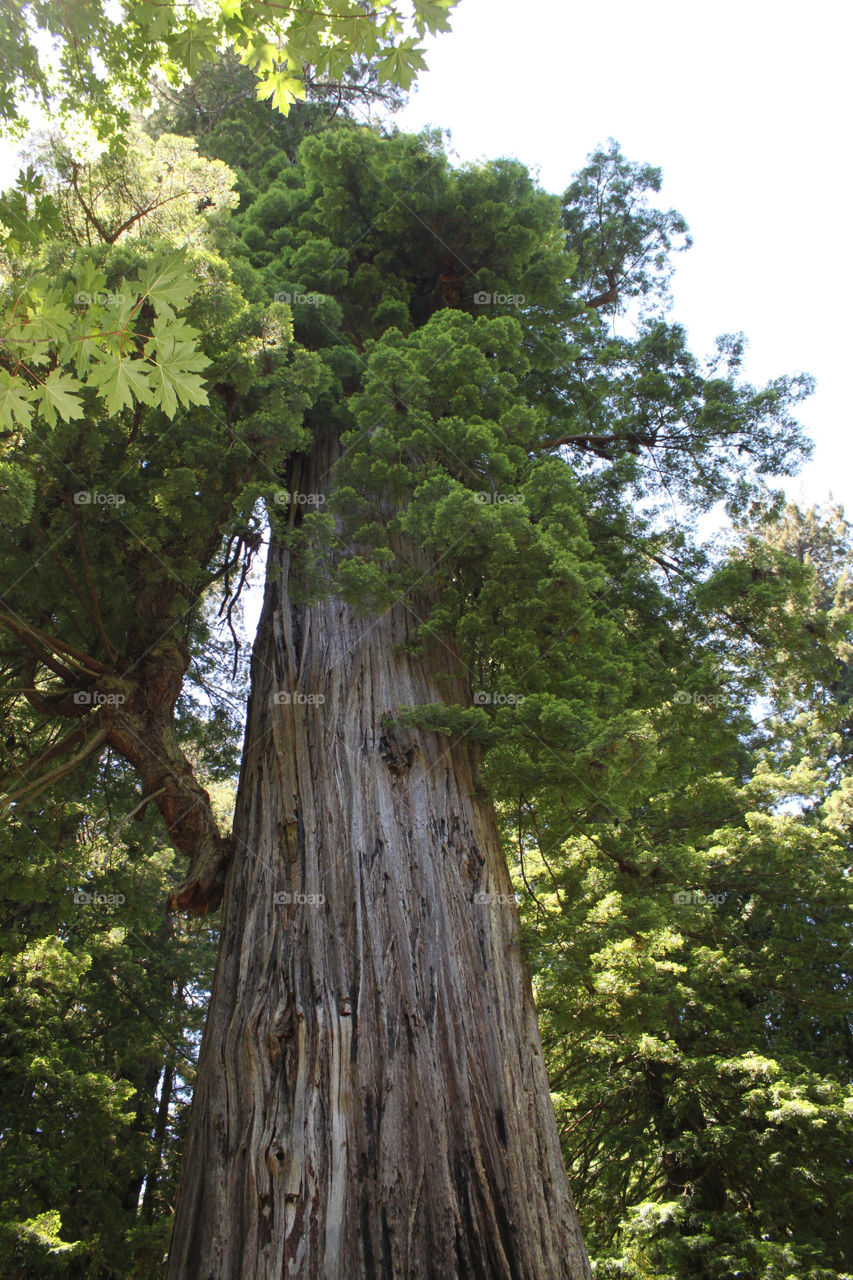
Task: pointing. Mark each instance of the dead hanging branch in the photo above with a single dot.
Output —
(245, 549)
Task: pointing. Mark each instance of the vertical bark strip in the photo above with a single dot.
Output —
(372, 1099)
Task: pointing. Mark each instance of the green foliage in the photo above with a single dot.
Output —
(501, 457)
(69, 330)
(692, 957)
(101, 65)
(103, 61)
(622, 242)
(100, 1011)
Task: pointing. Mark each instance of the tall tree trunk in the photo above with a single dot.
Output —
(371, 1097)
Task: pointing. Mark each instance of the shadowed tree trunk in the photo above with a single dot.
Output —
(371, 1097)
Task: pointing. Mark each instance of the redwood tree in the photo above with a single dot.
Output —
(451, 450)
(371, 1095)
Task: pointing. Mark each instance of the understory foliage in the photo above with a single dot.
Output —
(527, 442)
(102, 1003)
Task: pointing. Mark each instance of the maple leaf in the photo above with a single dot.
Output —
(15, 402)
(57, 395)
(121, 381)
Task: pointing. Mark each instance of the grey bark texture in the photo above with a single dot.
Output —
(371, 1099)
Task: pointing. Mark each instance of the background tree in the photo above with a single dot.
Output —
(101, 1005)
(692, 956)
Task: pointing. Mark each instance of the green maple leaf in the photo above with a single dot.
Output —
(121, 381)
(15, 214)
(193, 45)
(175, 329)
(89, 278)
(259, 54)
(167, 283)
(350, 28)
(81, 351)
(432, 15)
(58, 396)
(15, 398)
(28, 342)
(174, 375)
(50, 319)
(282, 88)
(303, 36)
(154, 19)
(401, 64)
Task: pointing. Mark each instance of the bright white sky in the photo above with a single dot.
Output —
(747, 109)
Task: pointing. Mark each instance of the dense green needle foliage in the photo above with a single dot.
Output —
(103, 1000)
(525, 443)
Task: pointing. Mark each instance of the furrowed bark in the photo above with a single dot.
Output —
(371, 1098)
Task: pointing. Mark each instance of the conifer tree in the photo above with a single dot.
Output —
(482, 639)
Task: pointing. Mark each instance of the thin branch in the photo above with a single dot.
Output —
(143, 802)
(55, 749)
(611, 293)
(35, 788)
(49, 643)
